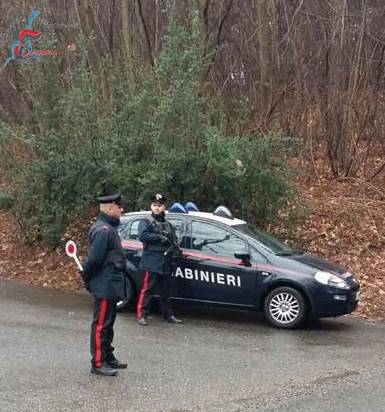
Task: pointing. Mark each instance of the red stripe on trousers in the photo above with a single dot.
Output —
(98, 333)
(139, 309)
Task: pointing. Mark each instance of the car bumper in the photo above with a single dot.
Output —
(328, 302)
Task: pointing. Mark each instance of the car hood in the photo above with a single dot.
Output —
(317, 263)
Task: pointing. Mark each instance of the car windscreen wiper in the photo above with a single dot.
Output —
(289, 253)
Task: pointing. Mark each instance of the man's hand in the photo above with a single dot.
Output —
(177, 253)
(164, 240)
(85, 280)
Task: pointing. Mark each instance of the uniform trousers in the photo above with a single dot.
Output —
(151, 281)
(102, 332)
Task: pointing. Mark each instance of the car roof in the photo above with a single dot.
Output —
(203, 215)
(220, 219)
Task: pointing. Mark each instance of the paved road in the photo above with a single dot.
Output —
(217, 361)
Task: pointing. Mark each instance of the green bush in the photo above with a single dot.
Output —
(6, 201)
(160, 134)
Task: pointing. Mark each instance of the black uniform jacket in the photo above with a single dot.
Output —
(158, 237)
(104, 268)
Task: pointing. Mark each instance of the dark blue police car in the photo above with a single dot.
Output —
(226, 261)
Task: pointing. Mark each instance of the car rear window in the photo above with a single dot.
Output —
(129, 229)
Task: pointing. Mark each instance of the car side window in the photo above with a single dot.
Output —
(134, 230)
(129, 230)
(124, 228)
(214, 240)
(177, 225)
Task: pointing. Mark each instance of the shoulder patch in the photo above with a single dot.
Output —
(105, 227)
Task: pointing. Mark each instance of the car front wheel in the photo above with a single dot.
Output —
(285, 307)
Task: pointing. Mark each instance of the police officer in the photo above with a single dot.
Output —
(104, 277)
(159, 245)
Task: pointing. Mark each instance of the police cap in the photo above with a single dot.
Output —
(114, 198)
(158, 198)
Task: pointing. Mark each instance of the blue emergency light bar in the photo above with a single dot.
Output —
(179, 208)
(191, 207)
(221, 211)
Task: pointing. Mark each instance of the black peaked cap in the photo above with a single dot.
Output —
(115, 198)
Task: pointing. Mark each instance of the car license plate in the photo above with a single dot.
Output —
(357, 295)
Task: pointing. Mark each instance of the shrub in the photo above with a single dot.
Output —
(6, 201)
(160, 134)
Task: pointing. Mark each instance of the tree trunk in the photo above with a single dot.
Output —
(265, 35)
(144, 30)
(127, 46)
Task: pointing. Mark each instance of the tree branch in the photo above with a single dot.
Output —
(218, 35)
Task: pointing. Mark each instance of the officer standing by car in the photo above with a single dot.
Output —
(104, 277)
(159, 245)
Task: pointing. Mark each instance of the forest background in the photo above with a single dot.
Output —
(272, 107)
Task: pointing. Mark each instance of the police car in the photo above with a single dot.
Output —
(226, 261)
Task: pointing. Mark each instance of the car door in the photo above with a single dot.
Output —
(212, 273)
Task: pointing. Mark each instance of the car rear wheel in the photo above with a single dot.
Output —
(123, 305)
(285, 307)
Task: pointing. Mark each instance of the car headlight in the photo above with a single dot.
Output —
(329, 279)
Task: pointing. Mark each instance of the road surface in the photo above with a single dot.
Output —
(218, 360)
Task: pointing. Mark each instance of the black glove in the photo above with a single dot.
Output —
(164, 240)
(85, 280)
(177, 253)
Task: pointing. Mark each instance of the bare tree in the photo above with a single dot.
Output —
(313, 68)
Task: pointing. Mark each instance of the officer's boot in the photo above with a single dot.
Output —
(115, 364)
(142, 321)
(172, 319)
(104, 370)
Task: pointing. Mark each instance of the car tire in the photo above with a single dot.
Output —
(285, 307)
(127, 304)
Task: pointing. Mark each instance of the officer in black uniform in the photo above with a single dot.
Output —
(159, 245)
(104, 277)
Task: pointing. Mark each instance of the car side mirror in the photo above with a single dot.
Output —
(244, 257)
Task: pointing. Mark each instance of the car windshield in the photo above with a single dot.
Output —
(269, 242)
